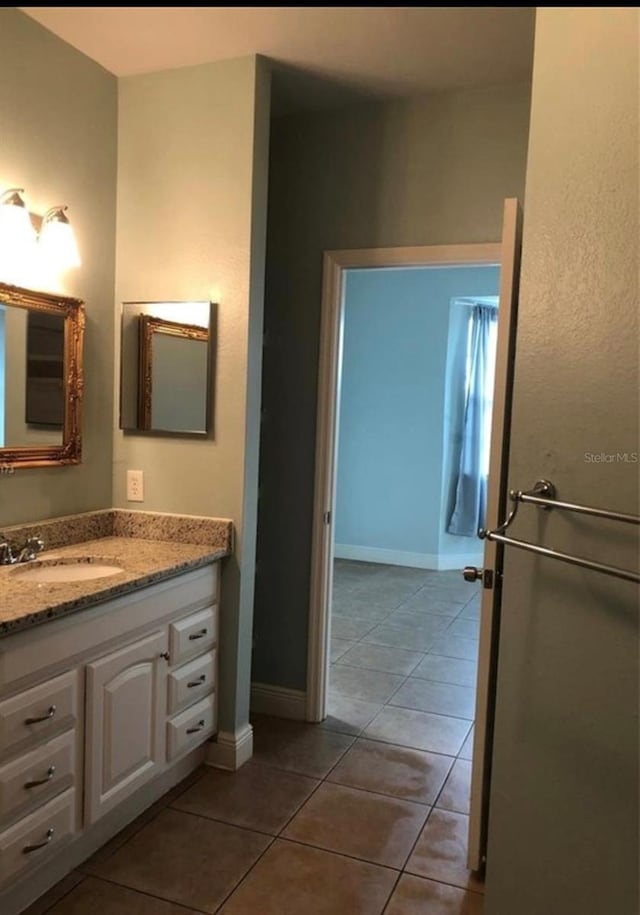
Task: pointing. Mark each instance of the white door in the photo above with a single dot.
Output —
(496, 508)
(126, 741)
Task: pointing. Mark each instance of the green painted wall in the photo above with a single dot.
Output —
(192, 186)
(405, 173)
(58, 111)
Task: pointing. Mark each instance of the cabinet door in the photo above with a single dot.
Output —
(126, 740)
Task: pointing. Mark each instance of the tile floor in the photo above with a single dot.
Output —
(362, 815)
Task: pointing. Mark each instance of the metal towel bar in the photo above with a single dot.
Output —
(614, 571)
(543, 494)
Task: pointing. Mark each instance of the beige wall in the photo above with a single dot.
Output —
(563, 833)
(406, 173)
(59, 122)
(192, 178)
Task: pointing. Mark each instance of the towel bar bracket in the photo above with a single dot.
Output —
(544, 495)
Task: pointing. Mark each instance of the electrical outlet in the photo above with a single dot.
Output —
(135, 486)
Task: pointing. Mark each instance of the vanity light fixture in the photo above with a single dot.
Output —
(57, 242)
(17, 234)
(19, 230)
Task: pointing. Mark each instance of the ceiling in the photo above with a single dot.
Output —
(323, 55)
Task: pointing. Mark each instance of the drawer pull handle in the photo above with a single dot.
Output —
(197, 682)
(197, 635)
(47, 717)
(51, 771)
(197, 728)
(29, 848)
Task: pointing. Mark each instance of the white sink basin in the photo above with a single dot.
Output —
(72, 569)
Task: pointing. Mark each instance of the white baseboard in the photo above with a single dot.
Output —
(231, 750)
(439, 562)
(278, 701)
(386, 557)
(448, 562)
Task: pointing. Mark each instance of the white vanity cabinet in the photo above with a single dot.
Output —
(101, 712)
(125, 744)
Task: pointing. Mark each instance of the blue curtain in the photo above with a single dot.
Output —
(471, 487)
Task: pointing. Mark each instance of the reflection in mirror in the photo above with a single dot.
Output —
(40, 377)
(32, 358)
(166, 367)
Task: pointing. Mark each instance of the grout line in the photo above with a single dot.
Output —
(419, 836)
(244, 876)
(279, 835)
(444, 682)
(428, 711)
(392, 797)
(391, 894)
(341, 854)
(55, 902)
(381, 702)
(147, 816)
(456, 886)
(200, 816)
(133, 889)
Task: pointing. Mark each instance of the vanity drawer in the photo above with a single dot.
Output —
(190, 728)
(35, 777)
(191, 682)
(35, 838)
(39, 712)
(193, 634)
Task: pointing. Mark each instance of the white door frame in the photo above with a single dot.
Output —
(335, 265)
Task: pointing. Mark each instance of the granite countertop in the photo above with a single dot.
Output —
(144, 560)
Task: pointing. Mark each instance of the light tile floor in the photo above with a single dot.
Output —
(366, 813)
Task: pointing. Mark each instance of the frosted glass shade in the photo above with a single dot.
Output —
(17, 237)
(57, 244)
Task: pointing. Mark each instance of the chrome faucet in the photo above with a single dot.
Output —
(26, 553)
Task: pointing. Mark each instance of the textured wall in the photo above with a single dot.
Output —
(424, 172)
(563, 835)
(192, 179)
(58, 111)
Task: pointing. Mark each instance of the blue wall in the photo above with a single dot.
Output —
(395, 449)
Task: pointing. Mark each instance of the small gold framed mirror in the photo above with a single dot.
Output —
(41, 378)
(166, 368)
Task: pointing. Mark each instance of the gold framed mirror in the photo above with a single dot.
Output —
(167, 355)
(153, 412)
(41, 378)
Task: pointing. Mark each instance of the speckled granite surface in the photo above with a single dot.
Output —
(149, 547)
(117, 522)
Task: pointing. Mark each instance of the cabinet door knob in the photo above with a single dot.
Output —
(197, 635)
(165, 655)
(47, 717)
(29, 848)
(197, 728)
(51, 771)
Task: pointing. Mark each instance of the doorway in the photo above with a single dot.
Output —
(416, 383)
(411, 567)
(336, 264)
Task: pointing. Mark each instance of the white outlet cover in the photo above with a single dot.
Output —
(135, 486)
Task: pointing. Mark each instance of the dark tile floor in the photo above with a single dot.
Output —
(362, 815)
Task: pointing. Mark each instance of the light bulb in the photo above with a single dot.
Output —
(57, 242)
(17, 235)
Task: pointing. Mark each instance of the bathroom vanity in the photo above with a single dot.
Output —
(108, 687)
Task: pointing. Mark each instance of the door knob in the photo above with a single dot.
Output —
(472, 573)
